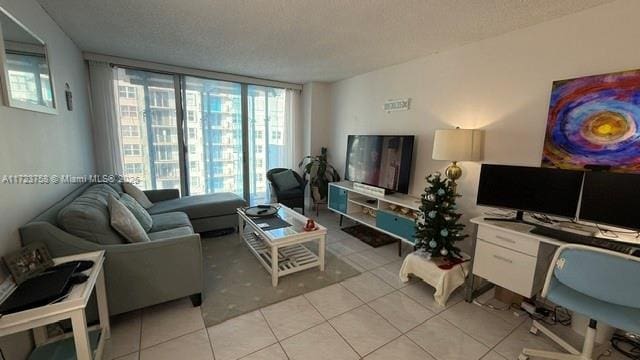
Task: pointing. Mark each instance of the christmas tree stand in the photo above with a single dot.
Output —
(430, 270)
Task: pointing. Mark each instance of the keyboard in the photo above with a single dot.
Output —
(573, 238)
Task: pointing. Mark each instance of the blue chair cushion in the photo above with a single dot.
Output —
(618, 316)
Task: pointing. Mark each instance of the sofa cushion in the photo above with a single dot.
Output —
(123, 220)
(137, 194)
(88, 216)
(138, 211)
(285, 180)
(175, 232)
(170, 220)
(117, 186)
(200, 206)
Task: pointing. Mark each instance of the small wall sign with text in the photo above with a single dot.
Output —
(397, 105)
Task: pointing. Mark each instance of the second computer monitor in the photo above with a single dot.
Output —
(533, 189)
(612, 199)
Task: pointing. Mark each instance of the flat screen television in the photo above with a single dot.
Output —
(611, 199)
(522, 188)
(380, 160)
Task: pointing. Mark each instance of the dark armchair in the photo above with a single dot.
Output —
(293, 198)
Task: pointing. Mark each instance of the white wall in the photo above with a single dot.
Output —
(500, 84)
(34, 143)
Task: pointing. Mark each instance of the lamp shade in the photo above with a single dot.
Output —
(457, 145)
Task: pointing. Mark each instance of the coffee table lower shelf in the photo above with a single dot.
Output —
(290, 258)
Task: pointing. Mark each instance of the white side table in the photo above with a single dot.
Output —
(73, 307)
(444, 281)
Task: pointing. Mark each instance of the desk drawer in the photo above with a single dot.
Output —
(506, 239)
(510, 269)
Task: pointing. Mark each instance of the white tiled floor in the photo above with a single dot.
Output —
(373, 316)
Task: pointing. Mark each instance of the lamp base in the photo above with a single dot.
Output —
(453, 171)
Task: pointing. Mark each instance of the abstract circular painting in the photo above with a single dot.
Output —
(594, 121)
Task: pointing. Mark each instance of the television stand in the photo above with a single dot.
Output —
(392, 214)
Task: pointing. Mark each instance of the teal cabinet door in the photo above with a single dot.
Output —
(396, 224)
(337, 199)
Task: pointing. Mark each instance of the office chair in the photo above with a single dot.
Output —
(601, 284)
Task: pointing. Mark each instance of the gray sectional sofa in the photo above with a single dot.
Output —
(137, 274)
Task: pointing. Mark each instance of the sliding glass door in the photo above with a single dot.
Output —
(213, 136)
(197, 141)
(269, 140)
(148, 128)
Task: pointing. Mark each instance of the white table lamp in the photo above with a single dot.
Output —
(457, 145)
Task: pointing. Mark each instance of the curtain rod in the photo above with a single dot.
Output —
(214, 75)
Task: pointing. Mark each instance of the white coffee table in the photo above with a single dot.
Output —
(281, 251)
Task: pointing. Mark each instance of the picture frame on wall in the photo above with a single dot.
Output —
(594, 123)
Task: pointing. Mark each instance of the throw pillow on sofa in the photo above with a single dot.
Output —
(125, 222)
(138, 211)
(285, 180)
(137, 194)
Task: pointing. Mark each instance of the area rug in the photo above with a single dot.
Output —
(236, 283)
(370, 236)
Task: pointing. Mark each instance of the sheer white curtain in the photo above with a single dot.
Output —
(283, 120)
(104, 117)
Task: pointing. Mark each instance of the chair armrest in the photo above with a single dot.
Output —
(162, 195)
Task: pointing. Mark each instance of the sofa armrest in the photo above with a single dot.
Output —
(141, 274)
(162, 195)
(137, 275)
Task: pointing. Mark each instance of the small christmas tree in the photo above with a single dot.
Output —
(437, 230)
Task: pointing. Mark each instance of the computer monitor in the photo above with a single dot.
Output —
(522, 188)
(611, 199)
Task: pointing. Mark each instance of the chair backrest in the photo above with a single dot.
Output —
(601, 274)
(270, 173)
(278, 170)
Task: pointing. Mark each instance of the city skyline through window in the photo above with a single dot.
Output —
(213, 132)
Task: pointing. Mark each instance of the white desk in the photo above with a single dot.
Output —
(73, 307)
(508, 255)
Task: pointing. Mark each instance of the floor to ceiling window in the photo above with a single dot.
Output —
(213, 123)
(212, 129)
(148, 128)
(269, 140)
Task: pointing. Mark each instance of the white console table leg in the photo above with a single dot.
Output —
(81, 335)
(103, 309)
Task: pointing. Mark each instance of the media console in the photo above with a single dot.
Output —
(380, 212)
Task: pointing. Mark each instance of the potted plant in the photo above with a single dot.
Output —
(320, 173)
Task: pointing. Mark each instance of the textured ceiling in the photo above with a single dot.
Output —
(293, 40)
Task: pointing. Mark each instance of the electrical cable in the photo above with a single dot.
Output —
(626, 346)
(615, 233)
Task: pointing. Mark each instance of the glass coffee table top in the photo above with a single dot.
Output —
(297, 221)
